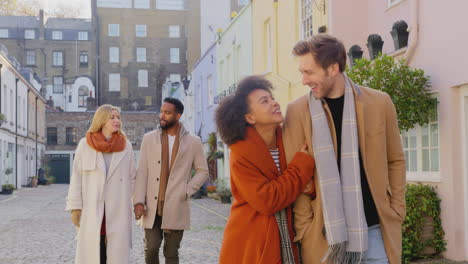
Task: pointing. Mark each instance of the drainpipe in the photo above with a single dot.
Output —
(35, 133)
(16, 132)
(414, 31)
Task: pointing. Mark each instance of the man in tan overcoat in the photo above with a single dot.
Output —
(353, 134)
(164, 182)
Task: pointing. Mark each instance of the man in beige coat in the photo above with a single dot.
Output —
(346, 115)
(164, 182)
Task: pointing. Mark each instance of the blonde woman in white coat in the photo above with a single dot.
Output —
(99, 196)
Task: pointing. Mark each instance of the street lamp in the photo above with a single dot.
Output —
(186, 83)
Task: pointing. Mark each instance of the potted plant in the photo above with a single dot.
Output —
(34, 180)
(7, 188)
(223, 190)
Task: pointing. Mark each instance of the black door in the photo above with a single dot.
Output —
(60, 167)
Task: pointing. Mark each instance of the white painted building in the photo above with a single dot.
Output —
(22, 128)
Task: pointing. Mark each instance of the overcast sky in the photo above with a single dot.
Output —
(83, 5)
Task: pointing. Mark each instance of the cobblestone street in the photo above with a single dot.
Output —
(35, 229)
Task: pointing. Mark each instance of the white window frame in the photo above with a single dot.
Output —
(57, 87)
(4, 33)
(174, 56)
(114, 30)
(142, 4)
(420, 174)
(84, 54)
(57, 35)
(306, 22)
(140, 31)
(392, 3)
(170, 4)
(83, 35)
(114, 82)
(174, 31)
(29, 34)
(57, 58)
(30, 57)
(141, 54)
(114, 55)
(142, 78)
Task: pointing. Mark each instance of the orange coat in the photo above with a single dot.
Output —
(259, 191)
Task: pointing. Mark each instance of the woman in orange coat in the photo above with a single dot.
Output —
(260, 228)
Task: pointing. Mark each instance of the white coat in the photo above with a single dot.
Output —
(91, 190)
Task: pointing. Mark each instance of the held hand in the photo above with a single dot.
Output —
(139, 211)
(75, 217)
(305, 149)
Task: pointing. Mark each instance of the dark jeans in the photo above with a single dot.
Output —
(153, 239)
(103, 249)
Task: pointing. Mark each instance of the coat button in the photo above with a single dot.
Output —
(157, 179)
(159, 162)
(156, 198)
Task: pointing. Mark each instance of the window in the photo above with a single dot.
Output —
(83, 58)
(175, 56)
(174, 31)
(113, 54)
(3, 33)
(243, 2)
(114, 30)
(83, 35)
(83, 92)
(175, 77)
(29, 34)
(30, 57)
(69, 97)
(141, 54)
(306, 18)
(148, 129)
(140, 31)
(170, 4)
(209, 87)
(393, 2)
(114, 82)
(148, 100)
(58, 84)
(57, 58)
(142, 78)
(145, 4)
(57, 35)
(71, 137)
(52, 136)
(421, 148)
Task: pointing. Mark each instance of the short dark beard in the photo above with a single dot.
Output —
(168, 125)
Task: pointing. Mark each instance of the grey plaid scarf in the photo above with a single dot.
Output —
(343, 210)
(287, 255)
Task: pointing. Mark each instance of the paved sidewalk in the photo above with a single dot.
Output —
(35, 229)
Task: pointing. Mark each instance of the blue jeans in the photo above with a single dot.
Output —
(376, 252)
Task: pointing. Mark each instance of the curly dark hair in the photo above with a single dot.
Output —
(230, 114)
(179, 106)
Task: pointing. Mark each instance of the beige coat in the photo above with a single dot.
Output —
(384, 164)
(90, 190)
(181, 185)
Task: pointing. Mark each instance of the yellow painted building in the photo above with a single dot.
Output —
(277, 26)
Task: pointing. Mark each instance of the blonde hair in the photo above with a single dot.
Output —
(102, 115)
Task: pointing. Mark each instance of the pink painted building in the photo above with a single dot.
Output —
(437, 154)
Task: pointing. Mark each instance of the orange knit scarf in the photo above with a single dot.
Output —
(98, 142)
